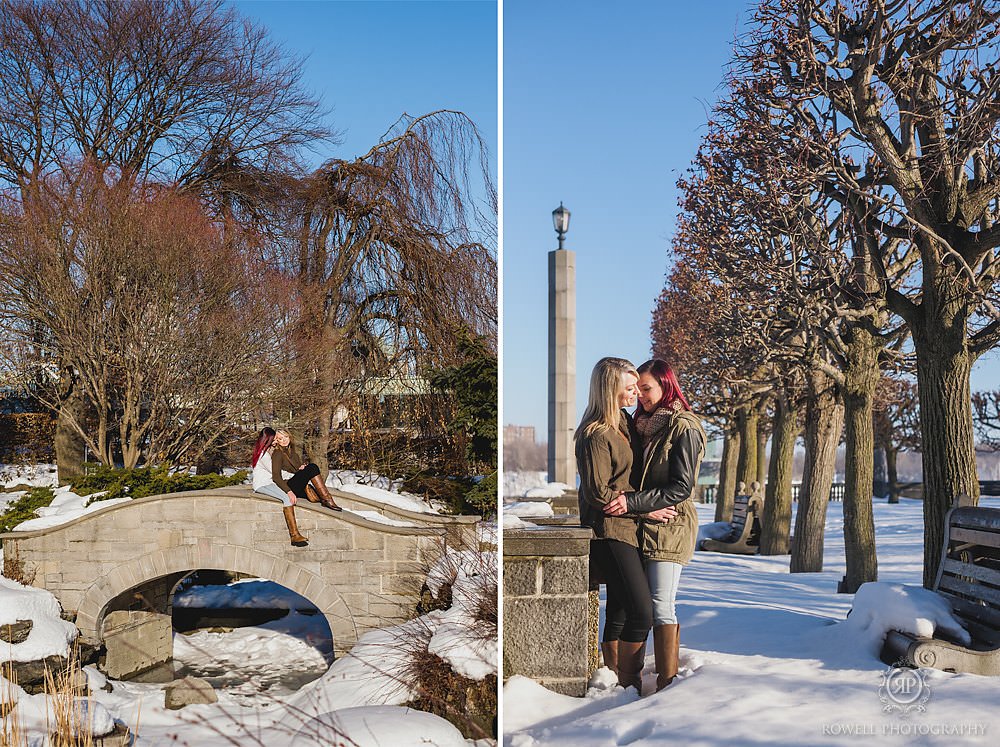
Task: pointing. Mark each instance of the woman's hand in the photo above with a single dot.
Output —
(292, 497)
(616, 506)
(661, 514)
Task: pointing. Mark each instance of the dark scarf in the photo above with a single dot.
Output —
(649, 424)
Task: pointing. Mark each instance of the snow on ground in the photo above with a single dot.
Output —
(360, 695)
(767, 657)
(32, 475)
(458, 638)
(50, 635)
(341, 478)
(250, 666)
(486, 533)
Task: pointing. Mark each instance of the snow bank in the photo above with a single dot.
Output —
(37, 713)
(399, 500)
(378, 727)
(880, 607)
(516, 483)
(457, 637)
(50, 635)
(528, 509)
(65, 507)
(550, 490)
(32, 475)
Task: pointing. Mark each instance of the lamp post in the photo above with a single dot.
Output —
(562, 355)
(560, 221)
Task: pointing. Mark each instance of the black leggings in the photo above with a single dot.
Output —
(629, 612)
(300, 479)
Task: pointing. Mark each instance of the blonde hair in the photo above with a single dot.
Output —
(607, 382)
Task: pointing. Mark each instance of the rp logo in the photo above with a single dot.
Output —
(904, 691)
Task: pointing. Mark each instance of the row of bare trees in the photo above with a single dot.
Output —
(838, 234)
(170, 267)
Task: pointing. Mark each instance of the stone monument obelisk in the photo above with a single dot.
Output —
(562, 356)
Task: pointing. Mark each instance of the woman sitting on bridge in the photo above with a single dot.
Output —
(305, 481)
(264, 483)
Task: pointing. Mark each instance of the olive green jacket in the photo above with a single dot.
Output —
(668, 477)
(604, 461)
(284, 459)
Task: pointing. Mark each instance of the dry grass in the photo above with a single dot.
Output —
(470, 705)
(72, 715)
(13, 565)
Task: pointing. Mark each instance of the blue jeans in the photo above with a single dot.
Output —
(275, 492)
(663, 577)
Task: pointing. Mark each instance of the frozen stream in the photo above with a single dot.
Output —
(254, 665)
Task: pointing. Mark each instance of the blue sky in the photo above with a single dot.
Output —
(370, 61)
(603, 109)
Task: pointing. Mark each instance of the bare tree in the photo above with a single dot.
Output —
(913, 90)
(986, 406)
(179, 93)
(897, 425)
(395, 255)
(170, 333)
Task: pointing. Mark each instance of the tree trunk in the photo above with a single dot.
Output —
(943, 368)
(824, 422)
(762, 465)
(777, 520)
(891, 473)
(860, 382)
(69, 445)
(727, 473)
(746, 420)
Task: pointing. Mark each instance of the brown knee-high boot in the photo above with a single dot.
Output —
(631, 657)
(296, 539)
(666, 649)
(609, 650)
(324, 495)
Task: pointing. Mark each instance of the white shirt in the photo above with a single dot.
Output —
(262, 472)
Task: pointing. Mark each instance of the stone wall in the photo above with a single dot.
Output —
(136, 641)
(546, 606)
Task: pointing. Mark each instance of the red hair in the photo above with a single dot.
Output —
(660, 370)
(264, 440)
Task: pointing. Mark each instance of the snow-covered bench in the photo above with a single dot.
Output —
(969, 579)
(744, 534)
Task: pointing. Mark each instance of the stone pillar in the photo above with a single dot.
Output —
(562, 366)
(546, 606)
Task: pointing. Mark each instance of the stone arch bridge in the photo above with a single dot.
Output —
(119, 566)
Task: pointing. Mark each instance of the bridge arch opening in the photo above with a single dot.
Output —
(129, 609)
(251, 637)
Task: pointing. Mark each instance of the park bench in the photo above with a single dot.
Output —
(744, 533)
(968, 577)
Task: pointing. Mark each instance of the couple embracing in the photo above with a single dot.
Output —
(637, 474)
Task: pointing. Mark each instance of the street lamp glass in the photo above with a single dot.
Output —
(560, 219)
